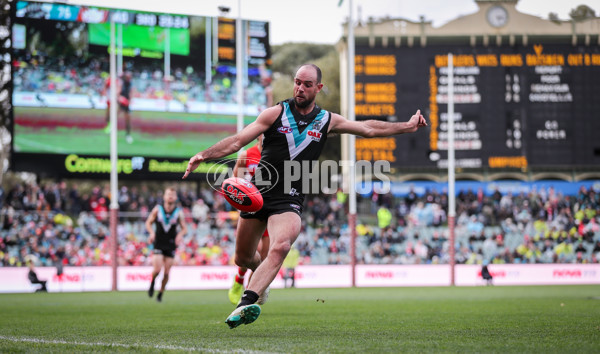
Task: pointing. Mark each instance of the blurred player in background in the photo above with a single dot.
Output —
(286, 129)
(32, 275)
(289, 264)
(245, 166)
(123, 99)
(165, 219)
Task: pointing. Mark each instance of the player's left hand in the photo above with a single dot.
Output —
(417, 121)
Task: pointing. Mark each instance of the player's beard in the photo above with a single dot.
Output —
(169, 206)
(303, 104)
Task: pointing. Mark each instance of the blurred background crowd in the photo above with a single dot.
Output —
(60, 225)
(41, 73)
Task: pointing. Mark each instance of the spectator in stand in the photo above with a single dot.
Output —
(384, 217)
(200, 211)
(31, 226)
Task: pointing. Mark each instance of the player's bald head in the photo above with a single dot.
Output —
(309, 68)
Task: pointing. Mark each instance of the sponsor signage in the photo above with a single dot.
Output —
(77, 279)
(531, 274)
(408, 275)
(128, 167)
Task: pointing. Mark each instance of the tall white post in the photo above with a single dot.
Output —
(351, 145)
(208, 58)
(451, 163)
(120, 49)
(114, 191)
(208, 52)
(167, 68)
(239, 56)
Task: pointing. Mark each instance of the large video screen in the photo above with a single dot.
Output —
(518, 106)
(175, 96)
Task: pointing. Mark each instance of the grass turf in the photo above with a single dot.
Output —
(94, 141)
(544, 319)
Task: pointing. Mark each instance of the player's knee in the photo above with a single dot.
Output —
(242, 261)
(264, 253)
(280, 249)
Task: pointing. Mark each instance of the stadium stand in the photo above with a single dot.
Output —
(60, 225)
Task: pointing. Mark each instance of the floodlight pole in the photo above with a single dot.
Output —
(167, 68)
(120, 49)
(114, 197)
(451, 163)
(351, 146)
(239, 48)
(208, 55)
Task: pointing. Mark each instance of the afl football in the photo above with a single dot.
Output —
(242, 194)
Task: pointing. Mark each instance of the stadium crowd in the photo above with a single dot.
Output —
(58, 224)
(42, 73)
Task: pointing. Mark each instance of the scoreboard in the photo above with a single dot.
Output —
(515, 106)
(257, 39)
(60, 62)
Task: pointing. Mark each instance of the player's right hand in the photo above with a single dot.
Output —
(193, 164)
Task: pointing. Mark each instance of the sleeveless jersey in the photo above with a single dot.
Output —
(293, 136)
(166, 228)
(252, 159)
(125, 89)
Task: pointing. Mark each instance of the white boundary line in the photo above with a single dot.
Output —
(25, 142)
(120, 345)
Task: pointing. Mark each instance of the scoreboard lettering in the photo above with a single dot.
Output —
(375, 65)
(375, 149)
(376, 98)
(515, 106)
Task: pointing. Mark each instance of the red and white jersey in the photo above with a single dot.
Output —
(252, 160)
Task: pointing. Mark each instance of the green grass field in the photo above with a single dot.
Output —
(541, 319)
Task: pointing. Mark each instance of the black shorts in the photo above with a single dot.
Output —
(165, 252)
(124, 108)
(274, 207)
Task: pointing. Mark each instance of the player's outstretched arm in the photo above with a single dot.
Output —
(149, 221)
(183, 229)
(235, 142)
(376, 128)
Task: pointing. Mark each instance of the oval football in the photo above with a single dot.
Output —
(242, 194)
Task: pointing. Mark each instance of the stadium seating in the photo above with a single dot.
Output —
(58, 224)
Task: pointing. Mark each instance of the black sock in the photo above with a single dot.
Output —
(151, 289)
(248, 298)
